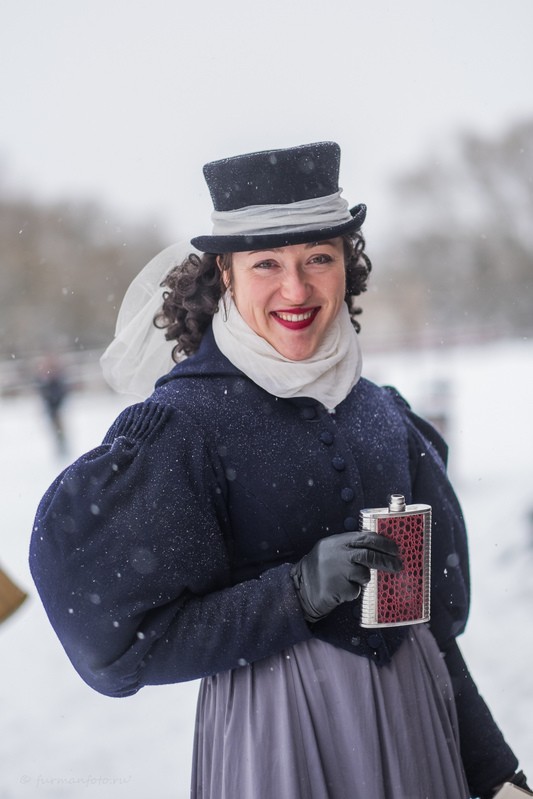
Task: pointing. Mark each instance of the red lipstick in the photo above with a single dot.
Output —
(296, 318)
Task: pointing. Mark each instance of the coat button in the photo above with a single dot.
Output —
(347, 494)
(338, 463)
(326, 437)
(374, 640)
(350, 524)
(308, 413)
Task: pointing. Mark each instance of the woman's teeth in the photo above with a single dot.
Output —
(294, 317)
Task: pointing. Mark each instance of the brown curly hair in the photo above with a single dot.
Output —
(196, 285)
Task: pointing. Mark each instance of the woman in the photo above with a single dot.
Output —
(214, 534)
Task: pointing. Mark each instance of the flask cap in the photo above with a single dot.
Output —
(396, 502)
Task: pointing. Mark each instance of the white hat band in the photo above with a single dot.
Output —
(257, 220)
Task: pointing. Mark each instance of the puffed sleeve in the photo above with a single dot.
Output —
(131, 562)
(450, 576)
(487, 758)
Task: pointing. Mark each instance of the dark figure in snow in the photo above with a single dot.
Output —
(214, 532)
(53, 389)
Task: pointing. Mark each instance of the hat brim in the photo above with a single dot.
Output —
(222, 244)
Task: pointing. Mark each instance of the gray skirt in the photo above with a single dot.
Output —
(317, 722)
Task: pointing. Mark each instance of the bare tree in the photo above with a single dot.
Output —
(63, 271)
(463, 245)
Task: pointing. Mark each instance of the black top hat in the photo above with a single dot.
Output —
(275, 198)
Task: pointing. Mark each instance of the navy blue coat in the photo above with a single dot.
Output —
(164, 554)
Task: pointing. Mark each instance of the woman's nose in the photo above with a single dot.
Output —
(294, 287)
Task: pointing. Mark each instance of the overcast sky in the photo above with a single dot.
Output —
(125, 100)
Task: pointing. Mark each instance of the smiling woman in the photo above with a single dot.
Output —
(196, 285)
(214, 533)
(290, 296)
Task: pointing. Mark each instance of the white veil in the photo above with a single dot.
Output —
(139, 354)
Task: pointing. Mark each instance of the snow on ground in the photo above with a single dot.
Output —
(61, 739)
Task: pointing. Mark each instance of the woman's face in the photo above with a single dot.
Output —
(290, 295)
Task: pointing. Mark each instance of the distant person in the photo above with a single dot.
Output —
(53, 389)
(214, 533)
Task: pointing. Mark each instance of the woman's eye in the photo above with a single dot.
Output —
(320, 259)
(265, 265)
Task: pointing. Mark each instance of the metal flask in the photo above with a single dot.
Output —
(391, 600)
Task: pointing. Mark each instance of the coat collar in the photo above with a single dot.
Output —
(207, 361)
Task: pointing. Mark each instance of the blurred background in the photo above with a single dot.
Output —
(108, 112)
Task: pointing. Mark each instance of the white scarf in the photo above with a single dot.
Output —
(328, 376)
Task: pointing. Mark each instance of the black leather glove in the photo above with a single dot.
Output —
(336, 568)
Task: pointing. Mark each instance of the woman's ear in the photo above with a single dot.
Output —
(225, 272)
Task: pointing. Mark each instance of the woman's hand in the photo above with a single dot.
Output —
(518, 779)
(337, 567)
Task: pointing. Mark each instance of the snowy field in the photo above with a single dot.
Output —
(61, 739)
